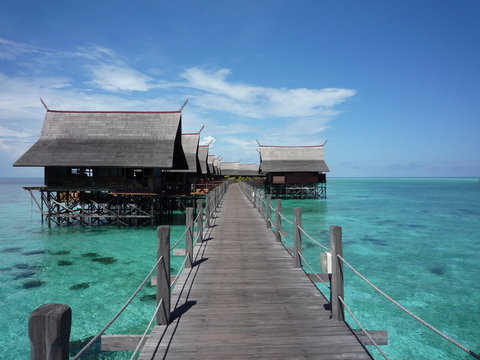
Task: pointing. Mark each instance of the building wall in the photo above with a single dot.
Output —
(296, 178)
(103, 178)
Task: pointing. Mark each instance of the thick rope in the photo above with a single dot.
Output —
(313, 271)
(284, 218)
(363, 329)
(174, 282)
(420, 320)
(180, 239)
(140, 343)
(315, 241)
(120, 311)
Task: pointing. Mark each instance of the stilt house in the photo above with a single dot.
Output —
(203, 160)
(101, 150)
(106, 167)
(294, 171)
(182, 181)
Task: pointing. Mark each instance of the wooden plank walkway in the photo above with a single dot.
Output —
(244, 299)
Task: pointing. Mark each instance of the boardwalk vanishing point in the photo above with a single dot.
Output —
(244, 299)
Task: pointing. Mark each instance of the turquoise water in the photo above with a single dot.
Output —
(418, 239)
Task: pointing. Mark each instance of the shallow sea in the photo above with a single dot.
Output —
(416, 238)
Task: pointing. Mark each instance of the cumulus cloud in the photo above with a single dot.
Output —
(215, 92)
(208, 140)
(112, 77)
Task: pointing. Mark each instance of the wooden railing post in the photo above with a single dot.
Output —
(297, 236)
(189, 237)
(262, 206)
(163, 274)
(255, 198)
(337, 287)
(49, 332)
(269, 211)
(278, 220)
(207, 210)
(200, 219)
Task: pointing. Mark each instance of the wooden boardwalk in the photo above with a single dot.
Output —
(244, 299)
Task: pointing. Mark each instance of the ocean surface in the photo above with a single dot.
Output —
(418, 239)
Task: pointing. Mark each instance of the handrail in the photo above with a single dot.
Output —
(119, 312)
(146, 330)
(420, 320)
(363, 328)
(313, 271)
(315, 241)
(180, 239)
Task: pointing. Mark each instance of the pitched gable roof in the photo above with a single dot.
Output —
(107, 138)
(292, 159)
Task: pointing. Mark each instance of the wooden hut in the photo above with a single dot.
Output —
(248, 170)
(294, 171)
(183, 181)
(90, 157)
(228, 168)
(211, 168)
(203, 160)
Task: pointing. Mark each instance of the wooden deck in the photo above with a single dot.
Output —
(244, 299)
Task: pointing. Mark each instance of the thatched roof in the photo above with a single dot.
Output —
(108, 139)
(190, 148)
(229, 168)
(248, 170)
(210, 162)
(202, 158)
(216, 166)
(292, 159)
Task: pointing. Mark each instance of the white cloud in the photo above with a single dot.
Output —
(4, 132)
(208, 140)
(119, 78)
(216, 93)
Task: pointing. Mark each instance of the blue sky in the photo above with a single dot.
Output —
(393, 86)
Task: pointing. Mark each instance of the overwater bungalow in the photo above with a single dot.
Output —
(106, 166)
(294, 171)
(248, 170)
(183, 181)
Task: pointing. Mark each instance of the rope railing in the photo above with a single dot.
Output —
(182, 267)
(180, 239)
(312, 239)
(142, 339)
(311, 269)
(284, 218)
(362, 328)
(403, 308)
(95, 338)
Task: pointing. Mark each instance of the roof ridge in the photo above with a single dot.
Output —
(114, 112)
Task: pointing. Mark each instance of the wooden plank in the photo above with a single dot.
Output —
(179, 252)
(119, 342)
(379, 336)
(316, 277)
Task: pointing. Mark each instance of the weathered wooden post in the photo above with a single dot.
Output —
(49, 332)
(269, 211)
(189, 237)
(207, 210)
(337, 288)
(262, 206)
(163, 274)
(297, 236)
(278, 220)
(255, 198)
(200, 219)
